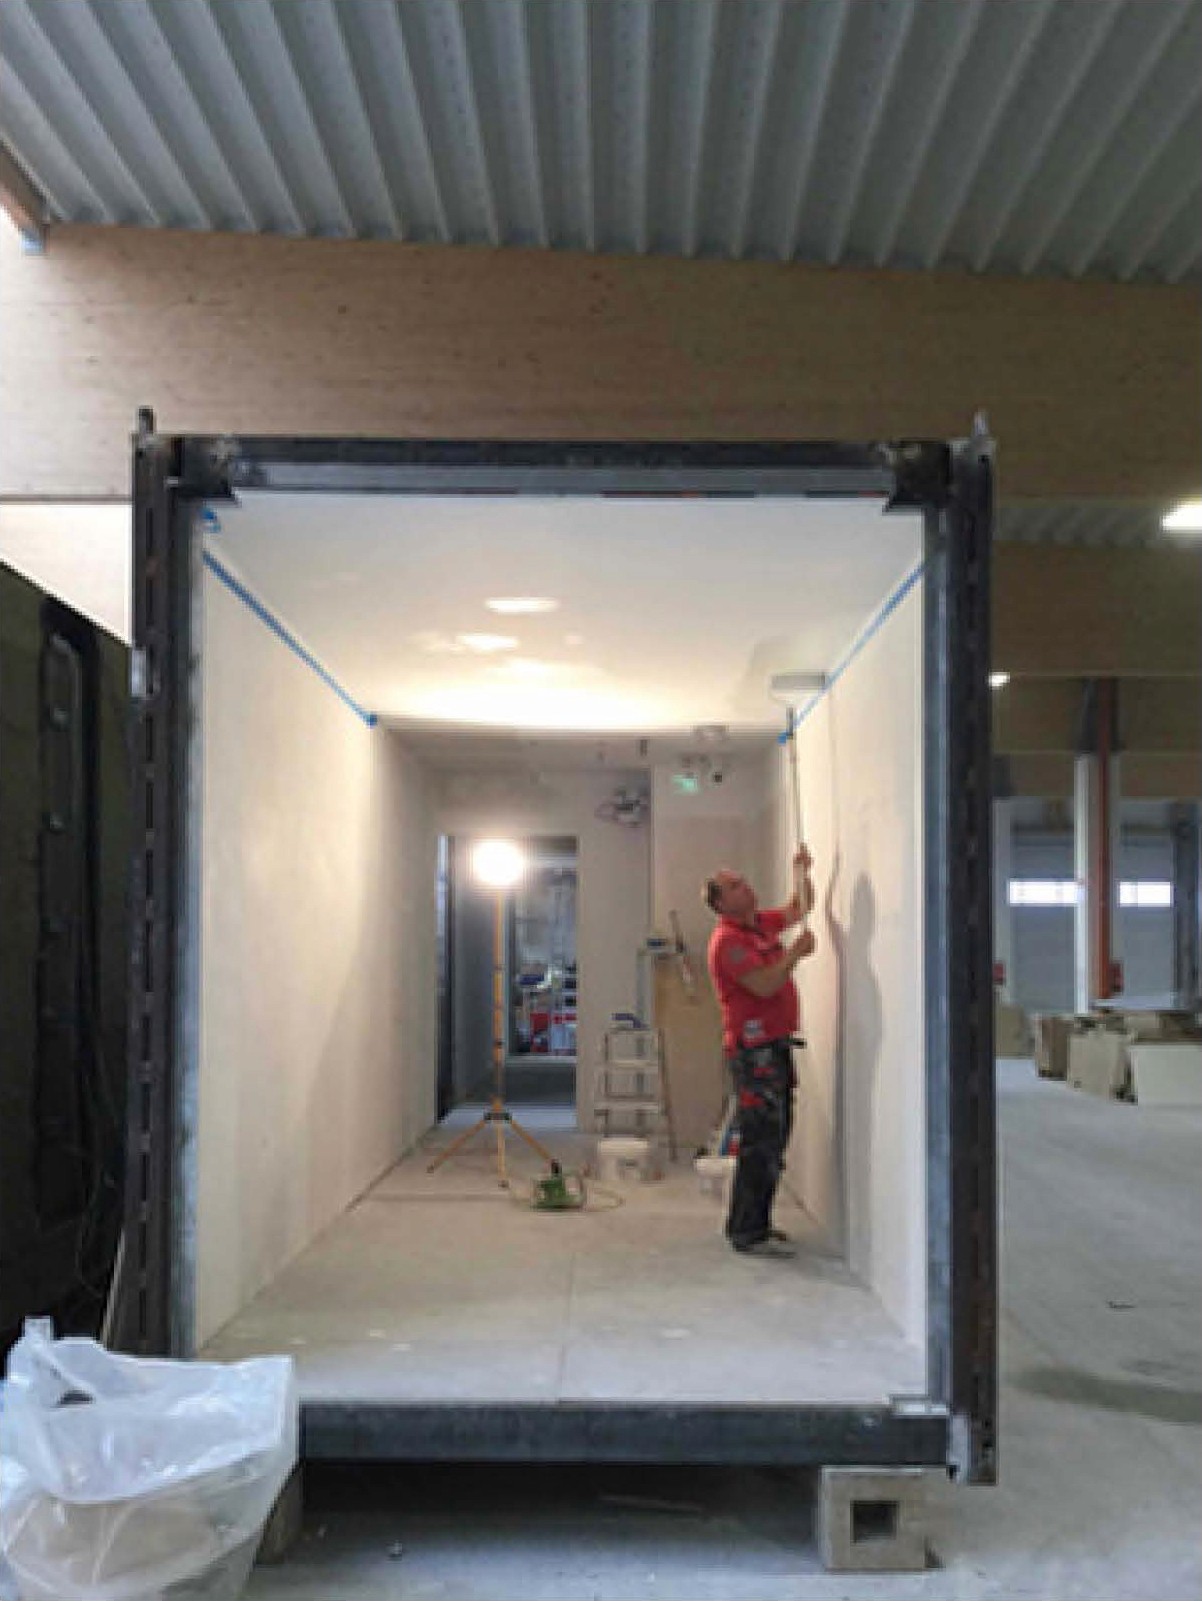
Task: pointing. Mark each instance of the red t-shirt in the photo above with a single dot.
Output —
(734, 950)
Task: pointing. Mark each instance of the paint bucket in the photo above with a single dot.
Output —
(714, 1174)
(624, 1161)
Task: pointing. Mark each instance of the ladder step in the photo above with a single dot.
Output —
(627, 1103)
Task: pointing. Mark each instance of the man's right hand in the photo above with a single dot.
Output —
(805, 944)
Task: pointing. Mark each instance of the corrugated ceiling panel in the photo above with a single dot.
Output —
(1031, 136)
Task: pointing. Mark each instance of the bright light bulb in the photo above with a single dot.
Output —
(521, 605)
(1184, 519)
(498, 862)
(998, 680)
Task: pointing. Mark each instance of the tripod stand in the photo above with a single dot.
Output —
(498, 1116)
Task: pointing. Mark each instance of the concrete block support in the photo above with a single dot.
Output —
(871, 1519)
(282, 1531)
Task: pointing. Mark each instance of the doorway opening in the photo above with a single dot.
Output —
(538, 976)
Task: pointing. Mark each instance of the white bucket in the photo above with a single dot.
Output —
(714, 1174)
(624, 1160)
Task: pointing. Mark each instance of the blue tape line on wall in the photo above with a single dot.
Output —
(869, 632)
(254, 604)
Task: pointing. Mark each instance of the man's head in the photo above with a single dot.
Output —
(730, 895)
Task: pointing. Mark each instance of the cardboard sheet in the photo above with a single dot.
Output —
(1167, 1073)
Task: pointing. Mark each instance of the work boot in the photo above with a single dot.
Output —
(766, 1247)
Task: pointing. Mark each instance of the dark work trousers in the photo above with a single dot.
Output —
(764, 1081)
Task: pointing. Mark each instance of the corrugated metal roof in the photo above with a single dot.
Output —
(1030, 136)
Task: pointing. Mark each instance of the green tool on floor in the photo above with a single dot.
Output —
(558, 1191)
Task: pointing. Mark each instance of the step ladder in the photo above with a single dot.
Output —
(630, 1087)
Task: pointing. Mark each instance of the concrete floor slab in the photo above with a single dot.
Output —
(441, 1286)
(1101, 1431)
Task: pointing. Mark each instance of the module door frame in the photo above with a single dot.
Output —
(950, 483)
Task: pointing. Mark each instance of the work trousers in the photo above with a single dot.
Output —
(764, 1080)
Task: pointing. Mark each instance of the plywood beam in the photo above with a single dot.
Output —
(1161, 715)
(1041, 715)
(1036, 716)
(1093, 389)
(1144, 776)
(1097, 613)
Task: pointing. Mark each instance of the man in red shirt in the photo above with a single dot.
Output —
(752, 974)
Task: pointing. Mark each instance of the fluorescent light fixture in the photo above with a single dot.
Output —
(1184, 519)
(486, 644)
(498, 863)
(998, 680)
(521, 605)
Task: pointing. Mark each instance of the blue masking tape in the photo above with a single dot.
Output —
(870, 631)
(236, 587)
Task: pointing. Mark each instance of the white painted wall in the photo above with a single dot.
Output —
(859, 1153)
(613, 863)
(317, 1053)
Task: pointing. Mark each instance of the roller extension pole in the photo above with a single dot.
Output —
(795, 793)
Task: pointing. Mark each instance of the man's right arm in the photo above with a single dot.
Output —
(765, 981)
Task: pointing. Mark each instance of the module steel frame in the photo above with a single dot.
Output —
(950, 484)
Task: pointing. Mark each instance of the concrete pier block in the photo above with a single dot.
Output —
(871, 1519)
(282, 1530)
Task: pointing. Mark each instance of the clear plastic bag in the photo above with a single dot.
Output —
(124, 1479)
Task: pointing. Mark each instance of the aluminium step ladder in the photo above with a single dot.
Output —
(630, 1087)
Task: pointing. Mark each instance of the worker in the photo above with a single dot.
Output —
(752, 974)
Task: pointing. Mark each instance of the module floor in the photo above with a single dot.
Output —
(445, 1287)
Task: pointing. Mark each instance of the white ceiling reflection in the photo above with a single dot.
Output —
(669, 612)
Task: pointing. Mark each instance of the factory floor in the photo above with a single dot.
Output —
(1101, 1429)
(443, 1287)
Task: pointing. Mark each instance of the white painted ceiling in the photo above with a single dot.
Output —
(1028, 136)
(672, 613)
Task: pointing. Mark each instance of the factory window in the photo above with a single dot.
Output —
(1144, 894)
(1043, 892)
(1147, 892)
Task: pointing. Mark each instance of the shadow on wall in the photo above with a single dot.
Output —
(859, 1027)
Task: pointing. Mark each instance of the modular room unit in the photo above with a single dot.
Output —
(351, 659)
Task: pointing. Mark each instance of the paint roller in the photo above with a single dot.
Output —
(794, 691)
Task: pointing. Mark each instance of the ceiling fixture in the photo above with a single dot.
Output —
(486, 644)
(627, 806)
(521, 605)
(998, 680)
(1184, 519)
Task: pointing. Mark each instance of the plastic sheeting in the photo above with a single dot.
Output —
(124, 1479)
